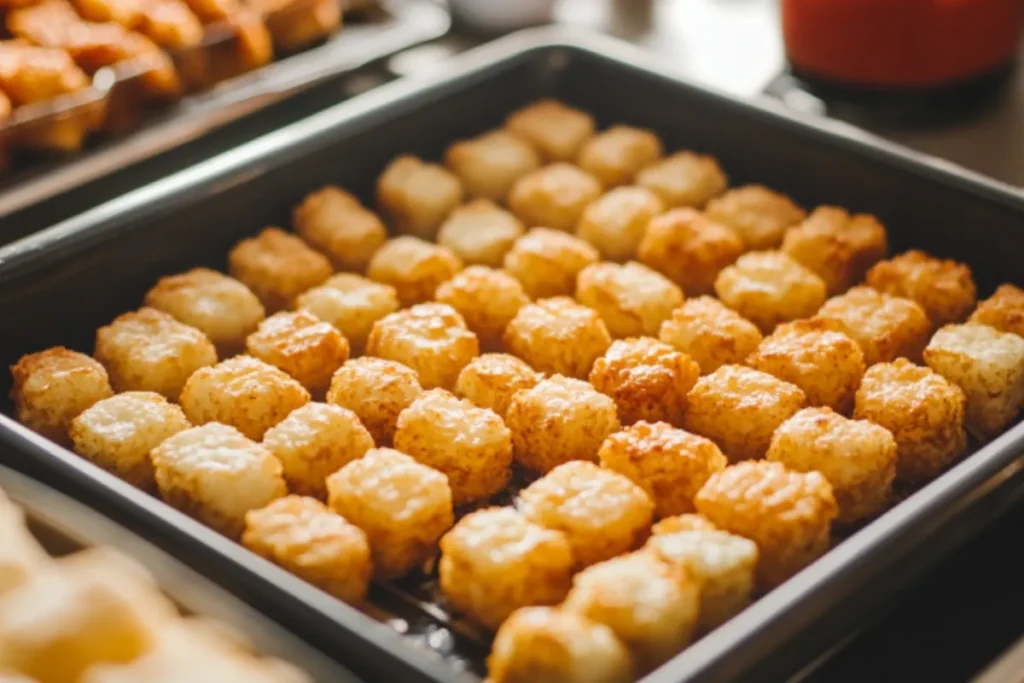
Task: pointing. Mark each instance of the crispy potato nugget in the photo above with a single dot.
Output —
(768, 288)
(632, 299)
(944, 288)
(616, 222)
(787, 514)
(490, 164)
(377, 390)
(689, 249)
(671, 465)
(494, 561)
(215, 474)
(21, 556)
(313, 542)
(243, 392)
(856, 456)
(53, 387)
(315, 441)
(988, 365)
(648, 380)
(491, 380)
(487, 299)
(403, 506)
(602, 513)
(413, 267)
(277, 267)
(555, 130)
(614, 156)
(684, 179)
(1004, 310)
(558, 336)
(480, 233)
(837, 247)
(352, 304)
(886, 327)
(417, 196)
(335, 223)
(758, 215)
(302, 345)
(554, 196)
(710, 333)
(469, 445)
(923, 411)
(546, 262)
(686, 522)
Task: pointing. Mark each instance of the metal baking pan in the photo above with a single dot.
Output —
(59, 285)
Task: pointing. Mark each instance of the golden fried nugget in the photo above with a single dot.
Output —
(334, 222)
(277, 267)
(685, 522)
(710, 333)
(632, 299)
(377, 390)
(555, 130)
(616, 222)
(352, 304)
(886, 327)
(492, 379)
(837, 247)
(21, 556)
(487, 299)
(758, 215)
(299, 343)
(546, 262)
(944, 288)
(689, 249)
(768, 288)
(615, 155)
(416, 196)
(684, 179)
(558, 336)
(413, 267)
(553, 196)
(480, 233)
(490, 164)
(1004, 310)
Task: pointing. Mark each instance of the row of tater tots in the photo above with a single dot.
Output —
(597, 373)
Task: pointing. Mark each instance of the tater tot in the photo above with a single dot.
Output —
(768, 288)
(886, 327)
(684, 179)
(243, 392)
(710, 333)
(119, 432)
(555, 130)
(647, 379)
(601, 512)
(546, 262)
(302, 345)
(684, 522)
(670, 464)
(334, 222)
(377, 390)
(491, 380)
(277, 267)
(53, 387)
(480, 233)
(558, 336)
(632, 299)
(614, 156)
(413, 267)
(315, 441)
(758, 215)
(21, 556)
(988, 365)
(856, 456)
(495, 561)
(416, 196)
(313, 542)
(616, 222)
(148, 350)
(923, 411)
(352, 304)
(816, 356)
(404, 508)
(432, 339)
(1004, 310)
(553, 196)
(689, 249)
(740, 408)
(944, 288)
(219, 306)
(837, 247)
(787, 514)
(487, 300)
(469, 445)
(490, 164)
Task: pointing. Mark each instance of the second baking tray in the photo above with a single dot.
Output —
(60, 285)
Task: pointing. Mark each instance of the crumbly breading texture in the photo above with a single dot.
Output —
(487, 299)
(945, 289)
(689, 248)
(417, 196)
(546, 262)
(616, 222)
(413, 267)
(632, 299)
(491, 380)
(302, 345)
(759, 215)
(350, 303)
(684, 179)
(554, 196)
(490, 164)
(838, 247)
(480, 233)
(710, 333)
(335, 223)
(1004, 310)
(376, 390)
(277, 267)
(886, 327)
(558, 336)
(769, 287)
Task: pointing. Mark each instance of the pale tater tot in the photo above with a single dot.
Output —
(277, 267)
(413, 267)
(404, 508)
(943, 288)
(684, 179)
(787, 514)
(1004, 310)
(315, 441)
(886, 327)
(352, 304)
(21, 556)
(988, 365)
(313, 542)
(632, 299)
(758, 215)
(740, 408)
(53, 387)
(616, 222)
(601, 512)
(490, 164)
(689, 249)
(495, 561)
(119, 432)
(219, 306)
(555, 130)
(684, 522)
(432, 339)
(558, 336)
(215, 474)
(487, 300)
(148, 350)
(469, 445)
(614, 156)
(923, 411)
(816, 356)
(492, 379)
(670, 464)
(243, 392)
(553, 196)
(710, 333)
(302, 345)
(335, 223)
(856, 456)
(647, 379)
(768, 288)
(416, 196)
(838, 247)
(546, 262)
(480, 233)
(377, 390)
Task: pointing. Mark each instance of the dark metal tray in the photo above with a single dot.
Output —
(60, 285)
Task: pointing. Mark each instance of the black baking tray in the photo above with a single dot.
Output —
(58, 286)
